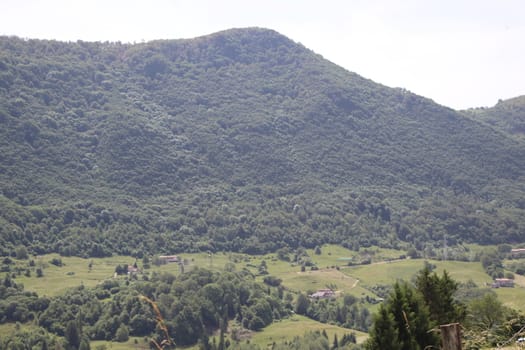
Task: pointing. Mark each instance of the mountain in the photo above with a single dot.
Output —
(507, 116)
(241, 140)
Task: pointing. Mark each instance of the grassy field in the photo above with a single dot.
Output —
(132, 343)
(389, 272)
(288, 329)
(73, 273)
(297, 326)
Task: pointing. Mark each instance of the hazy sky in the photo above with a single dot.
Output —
(460, 53)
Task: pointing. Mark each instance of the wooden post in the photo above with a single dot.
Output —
(451, 336)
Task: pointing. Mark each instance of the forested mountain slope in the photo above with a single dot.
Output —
(507, 116)
(241, 140)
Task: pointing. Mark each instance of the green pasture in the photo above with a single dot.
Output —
(335, 255)
(298, 325)
(74, 272)
(132, 343)
(386, 273)
(289, 328)
(310, 281)
(512, 297)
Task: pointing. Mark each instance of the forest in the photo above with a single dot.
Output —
(239, 141)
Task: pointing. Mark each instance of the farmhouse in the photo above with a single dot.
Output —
(169, 258)
(518, 251)
(503, 282)
(132, 270)
(323, 294)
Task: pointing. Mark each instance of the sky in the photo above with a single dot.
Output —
(460, 53)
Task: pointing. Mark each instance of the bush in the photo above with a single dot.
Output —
(56, 262)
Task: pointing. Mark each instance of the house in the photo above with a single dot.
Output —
(518, 251)
(132, 270)
(503, 282)
(169, 258)
(323, 294)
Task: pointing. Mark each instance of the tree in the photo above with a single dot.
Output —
(39, 272)
(73, 334)
(486, 312)
(122, 334)
(411, 320)
(438, 295)
(335, 344)
(302, 304)
(21, 253)
(383, 334)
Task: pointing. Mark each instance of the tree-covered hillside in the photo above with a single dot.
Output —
(242, 140)
(507, 116)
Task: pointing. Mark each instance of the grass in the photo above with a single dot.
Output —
(512, 297)
(295, 326)
(298, 325)
(73, 273)
(132, 343)
(386, 273)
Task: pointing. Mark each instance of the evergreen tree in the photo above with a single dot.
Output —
(336, 342)
(411, 321)
(73, 335)
(84, 344)
(384, 334)
(302, 304)
(438, 295)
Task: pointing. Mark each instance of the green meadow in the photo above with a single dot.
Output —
(74, 272)
(297, 325)
(389, 271)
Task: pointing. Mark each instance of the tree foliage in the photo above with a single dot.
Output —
(439, 295)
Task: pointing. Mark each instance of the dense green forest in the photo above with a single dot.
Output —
(242, 141)
(507, 116)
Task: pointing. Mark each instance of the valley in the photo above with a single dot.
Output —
(331, 271)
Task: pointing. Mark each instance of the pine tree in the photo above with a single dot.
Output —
(438, 295)
(383, 334)
(336, 342)
(73, 334)
(402, 321)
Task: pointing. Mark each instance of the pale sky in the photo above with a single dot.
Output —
(460, 53)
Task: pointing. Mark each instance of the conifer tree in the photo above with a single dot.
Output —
(438, 295)
(410, 321)
(383, 334)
